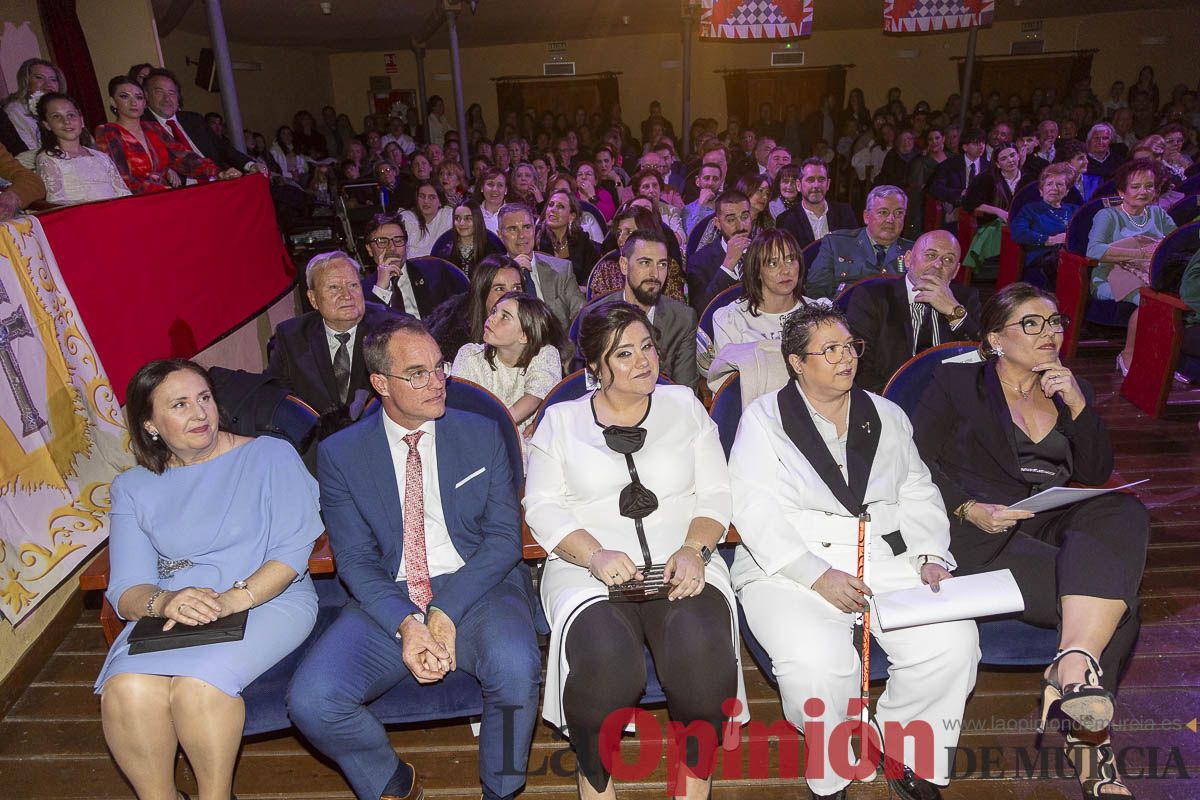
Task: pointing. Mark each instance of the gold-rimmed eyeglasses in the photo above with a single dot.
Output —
(419, 379)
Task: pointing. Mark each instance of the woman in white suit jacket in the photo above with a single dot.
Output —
(806, 462)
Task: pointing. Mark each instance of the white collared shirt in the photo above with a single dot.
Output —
(406, 291)
(827, 429)
(919, 309)
(736, 275)
(491, 221)
(537, 282)
(819, 224)
(967, 169)
(334, 344)
(440, 553)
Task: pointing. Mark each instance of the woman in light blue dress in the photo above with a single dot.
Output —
(209, 524)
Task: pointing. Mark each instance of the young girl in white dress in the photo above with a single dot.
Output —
(518, 359)
(73, 173)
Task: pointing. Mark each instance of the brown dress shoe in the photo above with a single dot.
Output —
(417, 792)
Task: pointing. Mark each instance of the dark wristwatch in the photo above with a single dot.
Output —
(704, 550)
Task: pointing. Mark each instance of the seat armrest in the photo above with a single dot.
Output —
(95, 577)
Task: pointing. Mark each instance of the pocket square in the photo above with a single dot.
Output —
(471, 477)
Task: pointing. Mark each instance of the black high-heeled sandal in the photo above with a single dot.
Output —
(1088, 703)
(1096, 765)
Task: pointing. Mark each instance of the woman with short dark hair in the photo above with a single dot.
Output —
(800, 469)
(1041, 226)
(997, 432)
(209, 524)
(628, 488)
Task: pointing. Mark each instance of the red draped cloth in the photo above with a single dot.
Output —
(70, 53)
(167, 274)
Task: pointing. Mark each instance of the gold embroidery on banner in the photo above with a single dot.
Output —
(84, 515)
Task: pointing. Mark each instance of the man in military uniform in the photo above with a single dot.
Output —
(851, 255)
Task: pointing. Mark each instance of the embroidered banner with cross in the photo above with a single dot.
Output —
(62, 437)
(755, 19)
(919, 16)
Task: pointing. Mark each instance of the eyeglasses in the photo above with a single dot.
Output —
(384, 241)
(1034, 324)
(421, 378)
(835, 353)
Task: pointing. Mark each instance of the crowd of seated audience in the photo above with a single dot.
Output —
(582, 246)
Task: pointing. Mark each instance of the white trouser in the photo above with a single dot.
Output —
(813, 656)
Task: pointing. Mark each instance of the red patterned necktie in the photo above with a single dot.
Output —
(416, 564)
(177, 132)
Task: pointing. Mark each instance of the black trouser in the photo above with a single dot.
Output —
(692, 646)
(1095, 548)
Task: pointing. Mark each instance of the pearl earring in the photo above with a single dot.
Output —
(999, 351)
(154, 436)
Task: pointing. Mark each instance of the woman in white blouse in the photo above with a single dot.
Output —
(629, 476)
(72, 172)
(773, 272)
(429, 220)
(518, 359)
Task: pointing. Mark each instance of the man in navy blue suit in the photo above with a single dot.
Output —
(421, 509)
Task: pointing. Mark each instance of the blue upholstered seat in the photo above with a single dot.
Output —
(842, 300)
(719, 301)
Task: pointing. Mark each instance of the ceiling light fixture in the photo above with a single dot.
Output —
(327, 8)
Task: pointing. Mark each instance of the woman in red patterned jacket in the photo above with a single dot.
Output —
(146, 155)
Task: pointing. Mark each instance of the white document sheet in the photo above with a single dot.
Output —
(1058, 496)
(965, 597)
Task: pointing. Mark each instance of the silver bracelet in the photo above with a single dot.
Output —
(150, 603)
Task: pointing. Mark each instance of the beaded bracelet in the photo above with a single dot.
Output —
(150, 612)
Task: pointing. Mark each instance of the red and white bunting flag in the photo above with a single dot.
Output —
(755, 19)
(921, 16)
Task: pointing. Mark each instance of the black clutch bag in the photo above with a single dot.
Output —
(652, 588)
(148, 636)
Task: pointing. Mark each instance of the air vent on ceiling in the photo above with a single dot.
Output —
(1028, 48)
(787, 58)
(558, 68)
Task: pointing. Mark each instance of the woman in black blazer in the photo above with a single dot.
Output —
(997, 432)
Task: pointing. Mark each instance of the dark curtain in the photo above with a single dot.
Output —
(69, 51)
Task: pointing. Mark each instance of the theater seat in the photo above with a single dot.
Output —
(908, 382)
(441, 269)
(696, 234)
(1073, 285)
(842, 299)
(1012, 255)
(1156, 350)
(1184, 211)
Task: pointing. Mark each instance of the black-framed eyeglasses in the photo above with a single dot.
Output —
(420, 379)
(384, 241)
(834, 353)
(1034, 324)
